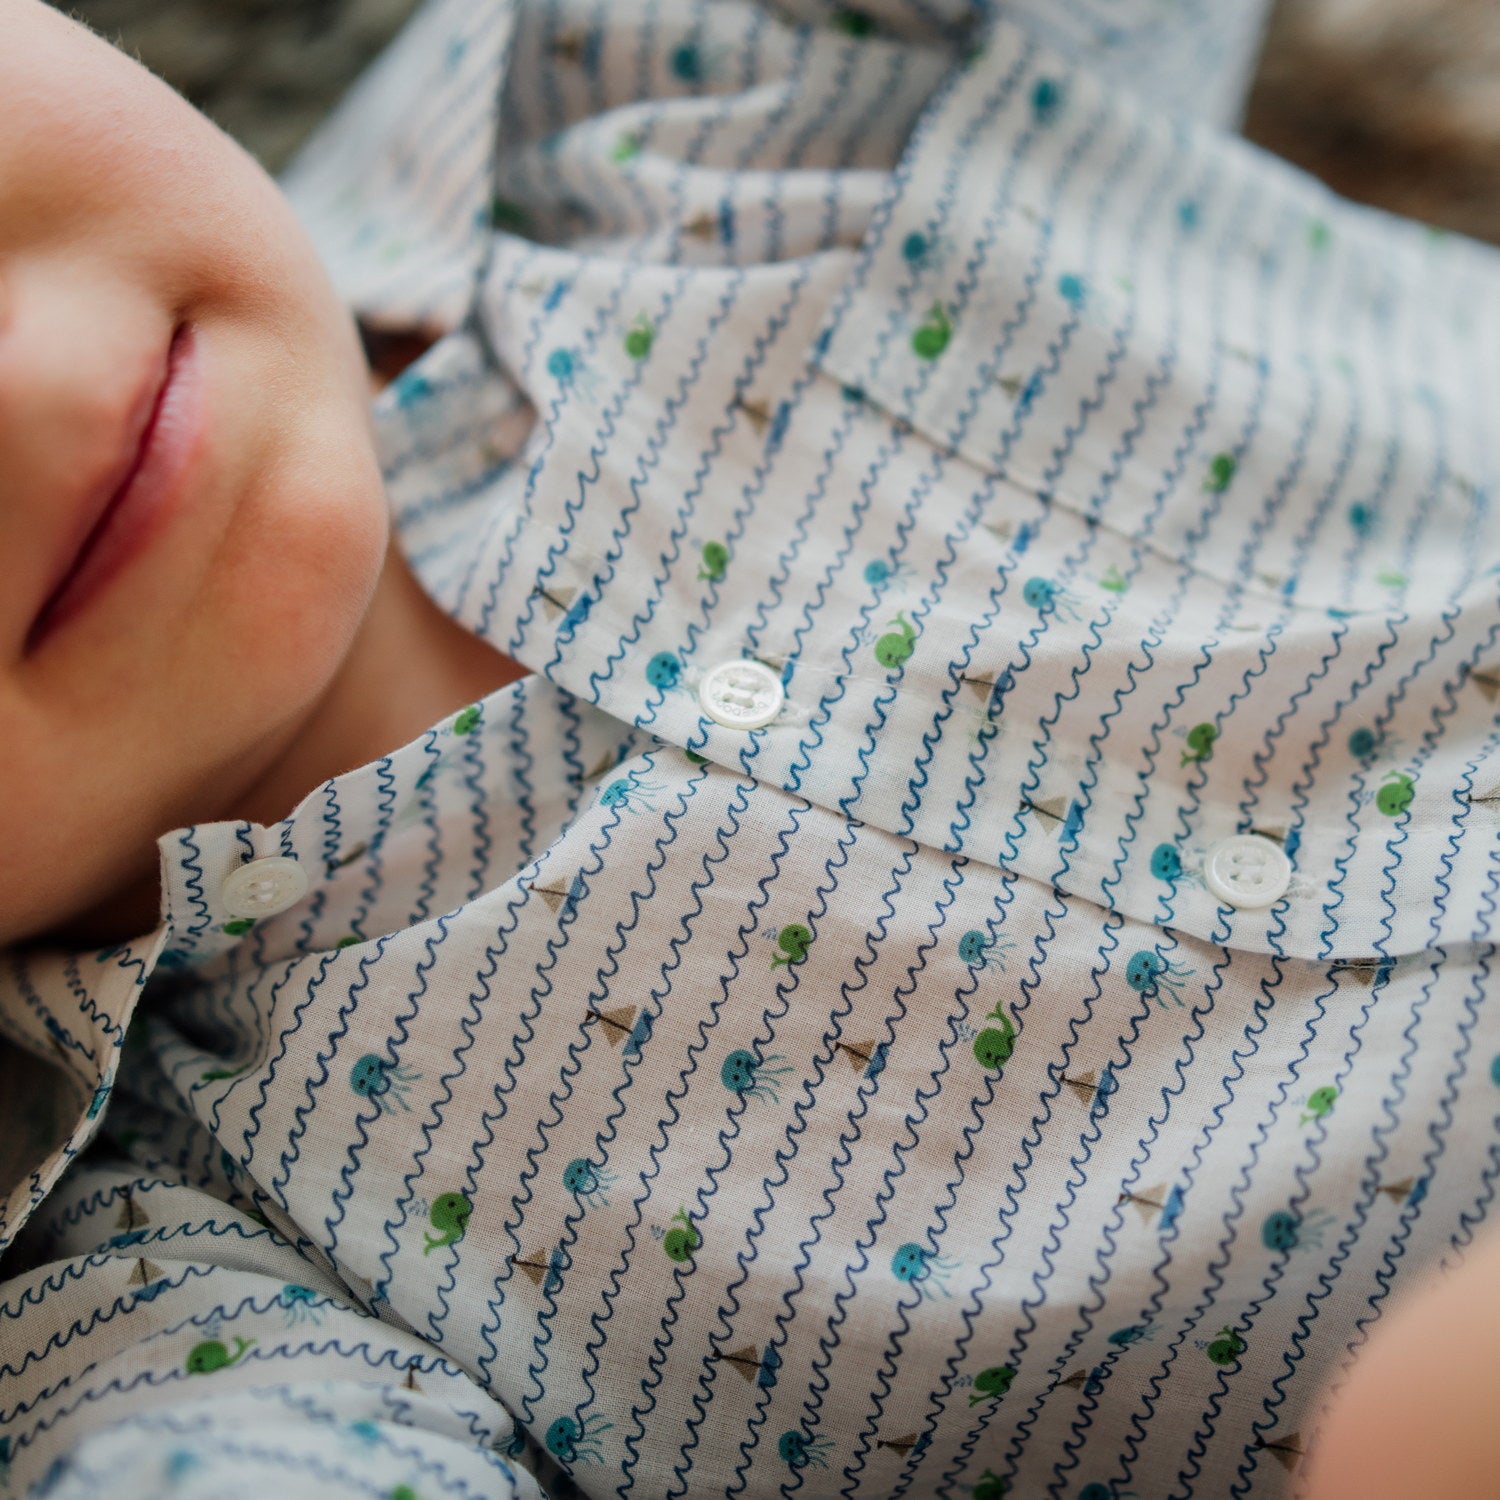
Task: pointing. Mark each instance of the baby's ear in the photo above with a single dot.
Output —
(1416, 1415)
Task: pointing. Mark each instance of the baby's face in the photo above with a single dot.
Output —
(162, 639)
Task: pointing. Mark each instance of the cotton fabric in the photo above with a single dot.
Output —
(879, 1102)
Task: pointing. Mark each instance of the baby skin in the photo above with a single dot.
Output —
(219, 628)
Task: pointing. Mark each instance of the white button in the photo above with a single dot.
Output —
(264, 887)
(742, 694)
(1247, 871)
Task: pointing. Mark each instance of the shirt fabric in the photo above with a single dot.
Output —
(879, 1102)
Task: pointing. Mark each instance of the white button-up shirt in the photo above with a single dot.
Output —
(964, 970)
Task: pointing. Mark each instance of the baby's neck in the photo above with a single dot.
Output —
(410, 665)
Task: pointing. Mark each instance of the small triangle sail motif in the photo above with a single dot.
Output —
(746, 1361)
(756, 411)
(1148, 1201)
(146, 1271)
(1286, 1451)
(131, 1215)
(555, 601)
(617, 1022)
(533, 1265)
(1084, 1086)
(858, 1053)
(1049, 807)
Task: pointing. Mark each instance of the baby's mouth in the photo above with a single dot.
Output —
(162, 424)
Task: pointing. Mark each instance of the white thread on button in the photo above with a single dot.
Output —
(1247, 871)
(743, 694)
(264, 887)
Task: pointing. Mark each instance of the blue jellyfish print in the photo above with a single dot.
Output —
(634, 793)
(1167, 864)
(924, 1269)
(1071, 289)
(1133, 1333)
(179, 1464)
(687, 62)
(751, 1077)
(664, 670)
(881, 571)
(410, 389)
(800, 1451)
(300, 1304)
(376, 1078)
(1286, 1231)
(981, 951)
(1149, 974)
(1047, 597)
(577, 1442)
(587, 1182)
(693, 63)
(924, 251)
(567, 368)
(1046, 100)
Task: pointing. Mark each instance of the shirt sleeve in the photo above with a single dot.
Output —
(172, 1344)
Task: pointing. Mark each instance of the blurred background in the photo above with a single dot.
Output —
(1393, 102)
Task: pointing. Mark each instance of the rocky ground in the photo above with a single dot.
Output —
(1396, 102)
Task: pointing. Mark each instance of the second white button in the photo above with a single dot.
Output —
(743, 694)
